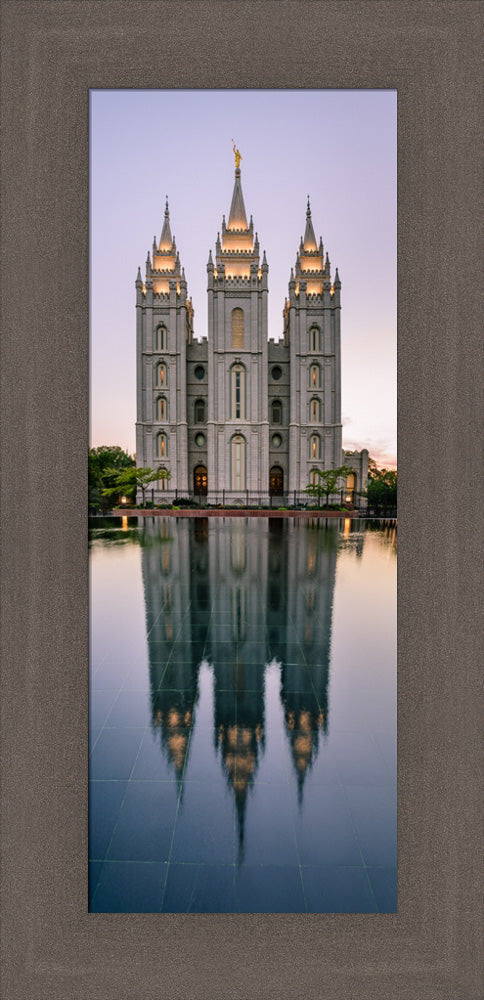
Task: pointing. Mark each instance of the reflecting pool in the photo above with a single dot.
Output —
(242, 715)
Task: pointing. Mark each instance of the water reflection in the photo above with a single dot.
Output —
(238, 766)
(240, 597)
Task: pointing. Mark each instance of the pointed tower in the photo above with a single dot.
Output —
(312, 335)
(164, 329)
(237, 427)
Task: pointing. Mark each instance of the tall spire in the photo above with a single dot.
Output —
(237, 217)
(165, 238)
(309, 237)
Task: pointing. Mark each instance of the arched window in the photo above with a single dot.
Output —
(161, 408)
(237, 462)
(237, 393)
(314, 376)
(315, 479)
(315, 411)
(161, 445)
(315, 446)
(163, 480)
(237, 328)
(314, 339)
(276, 411)
(162, 374)
(200, 411)
(160, 339)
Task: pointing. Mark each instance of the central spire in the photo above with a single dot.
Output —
(237, 217)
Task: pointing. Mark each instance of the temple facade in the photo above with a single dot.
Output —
(238, 416)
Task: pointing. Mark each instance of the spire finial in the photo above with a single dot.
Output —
(237, 154)
(166, 205)
(309, 207)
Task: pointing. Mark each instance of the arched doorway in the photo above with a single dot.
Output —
(276, 481)
(200, 479)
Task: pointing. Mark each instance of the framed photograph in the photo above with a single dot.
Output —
(243, 546)
(53, 946)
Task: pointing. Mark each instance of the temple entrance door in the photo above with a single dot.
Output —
(276, 481)
(200, 479)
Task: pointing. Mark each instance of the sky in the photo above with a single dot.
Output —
(337, 146)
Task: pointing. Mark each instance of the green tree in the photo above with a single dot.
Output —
(104, 463)
(328, 482)
(382, 487)
(128, 481)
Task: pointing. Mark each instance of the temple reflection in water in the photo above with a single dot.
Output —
(239, 596)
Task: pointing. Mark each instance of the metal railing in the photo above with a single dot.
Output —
(293, 499)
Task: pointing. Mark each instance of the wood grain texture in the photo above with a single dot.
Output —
(52, 53)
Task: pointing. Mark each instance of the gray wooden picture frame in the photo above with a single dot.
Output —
(52, 53)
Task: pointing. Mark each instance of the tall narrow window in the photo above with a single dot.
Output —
(315, 446)
(314, 376)
(238, 463)
(276, 412)
(161, 408)
(237, 328)
(314, 342)
(200, 411)
(315, 411)
(315, 478)
(350, 487)
(162, 445)
(160, 339)
(162, 374)
(237, 401)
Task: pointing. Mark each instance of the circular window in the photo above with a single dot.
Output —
(200, 440)
(276, 373)
(276, 440)
(199, 372)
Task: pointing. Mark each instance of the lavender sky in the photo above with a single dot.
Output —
(337, 146)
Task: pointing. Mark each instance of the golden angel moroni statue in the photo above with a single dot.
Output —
(237, 155)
